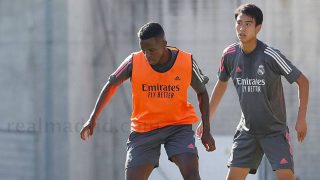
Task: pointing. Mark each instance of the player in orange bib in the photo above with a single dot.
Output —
(160, 78)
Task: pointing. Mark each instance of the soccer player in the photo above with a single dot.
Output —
(160, 77)
(256, 69)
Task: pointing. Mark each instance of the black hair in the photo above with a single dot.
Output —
(150, 30)
(250, 10)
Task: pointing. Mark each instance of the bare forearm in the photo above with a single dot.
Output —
(216, 97)
(303, 84)
(301, 124)
(203, 99)
(105, 95)
(115, 79)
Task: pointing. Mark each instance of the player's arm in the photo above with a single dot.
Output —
(216, 96)
(123, 72)
(217, 93)
(198, 82)
(292, 74)
(221, 85)
(301, 124)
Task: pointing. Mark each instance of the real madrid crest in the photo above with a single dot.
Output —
(261, 70)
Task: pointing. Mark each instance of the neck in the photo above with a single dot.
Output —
(165, 56)
(248, 47)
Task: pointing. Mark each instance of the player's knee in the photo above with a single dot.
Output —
(236, 175)
(135, 176)
(289, 177)
(285, 174)
(191, 175)
(235, 178)
(189, 171)
(232, 178)
(140, 172)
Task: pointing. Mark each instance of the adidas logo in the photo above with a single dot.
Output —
(283, 161)
(191, 146)
(177, 78)
(238, 69)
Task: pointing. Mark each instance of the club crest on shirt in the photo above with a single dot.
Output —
(261, 70)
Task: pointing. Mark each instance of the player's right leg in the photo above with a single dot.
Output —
(236, 173)
(143, 152)
(245, 156)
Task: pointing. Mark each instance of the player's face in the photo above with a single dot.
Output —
(153, 49)
(246, 28)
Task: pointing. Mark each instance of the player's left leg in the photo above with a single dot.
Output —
(278, 150)
(181, 149)
(285, 174)
(141, 172)
(188, 165)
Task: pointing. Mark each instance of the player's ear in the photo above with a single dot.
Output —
(165, 43)
(258, 28)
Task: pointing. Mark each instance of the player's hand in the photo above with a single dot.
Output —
(301, 128)
(199, 130)
(87, 129)
(208, 141)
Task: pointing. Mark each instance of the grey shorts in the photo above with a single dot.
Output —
(144, 148)
(247, 151)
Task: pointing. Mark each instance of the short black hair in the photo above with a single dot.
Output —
(150, 30)
(250, 10)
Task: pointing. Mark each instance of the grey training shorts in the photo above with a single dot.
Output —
(144, 148)
(247, 151)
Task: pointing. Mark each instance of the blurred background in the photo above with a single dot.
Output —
(56, 55)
